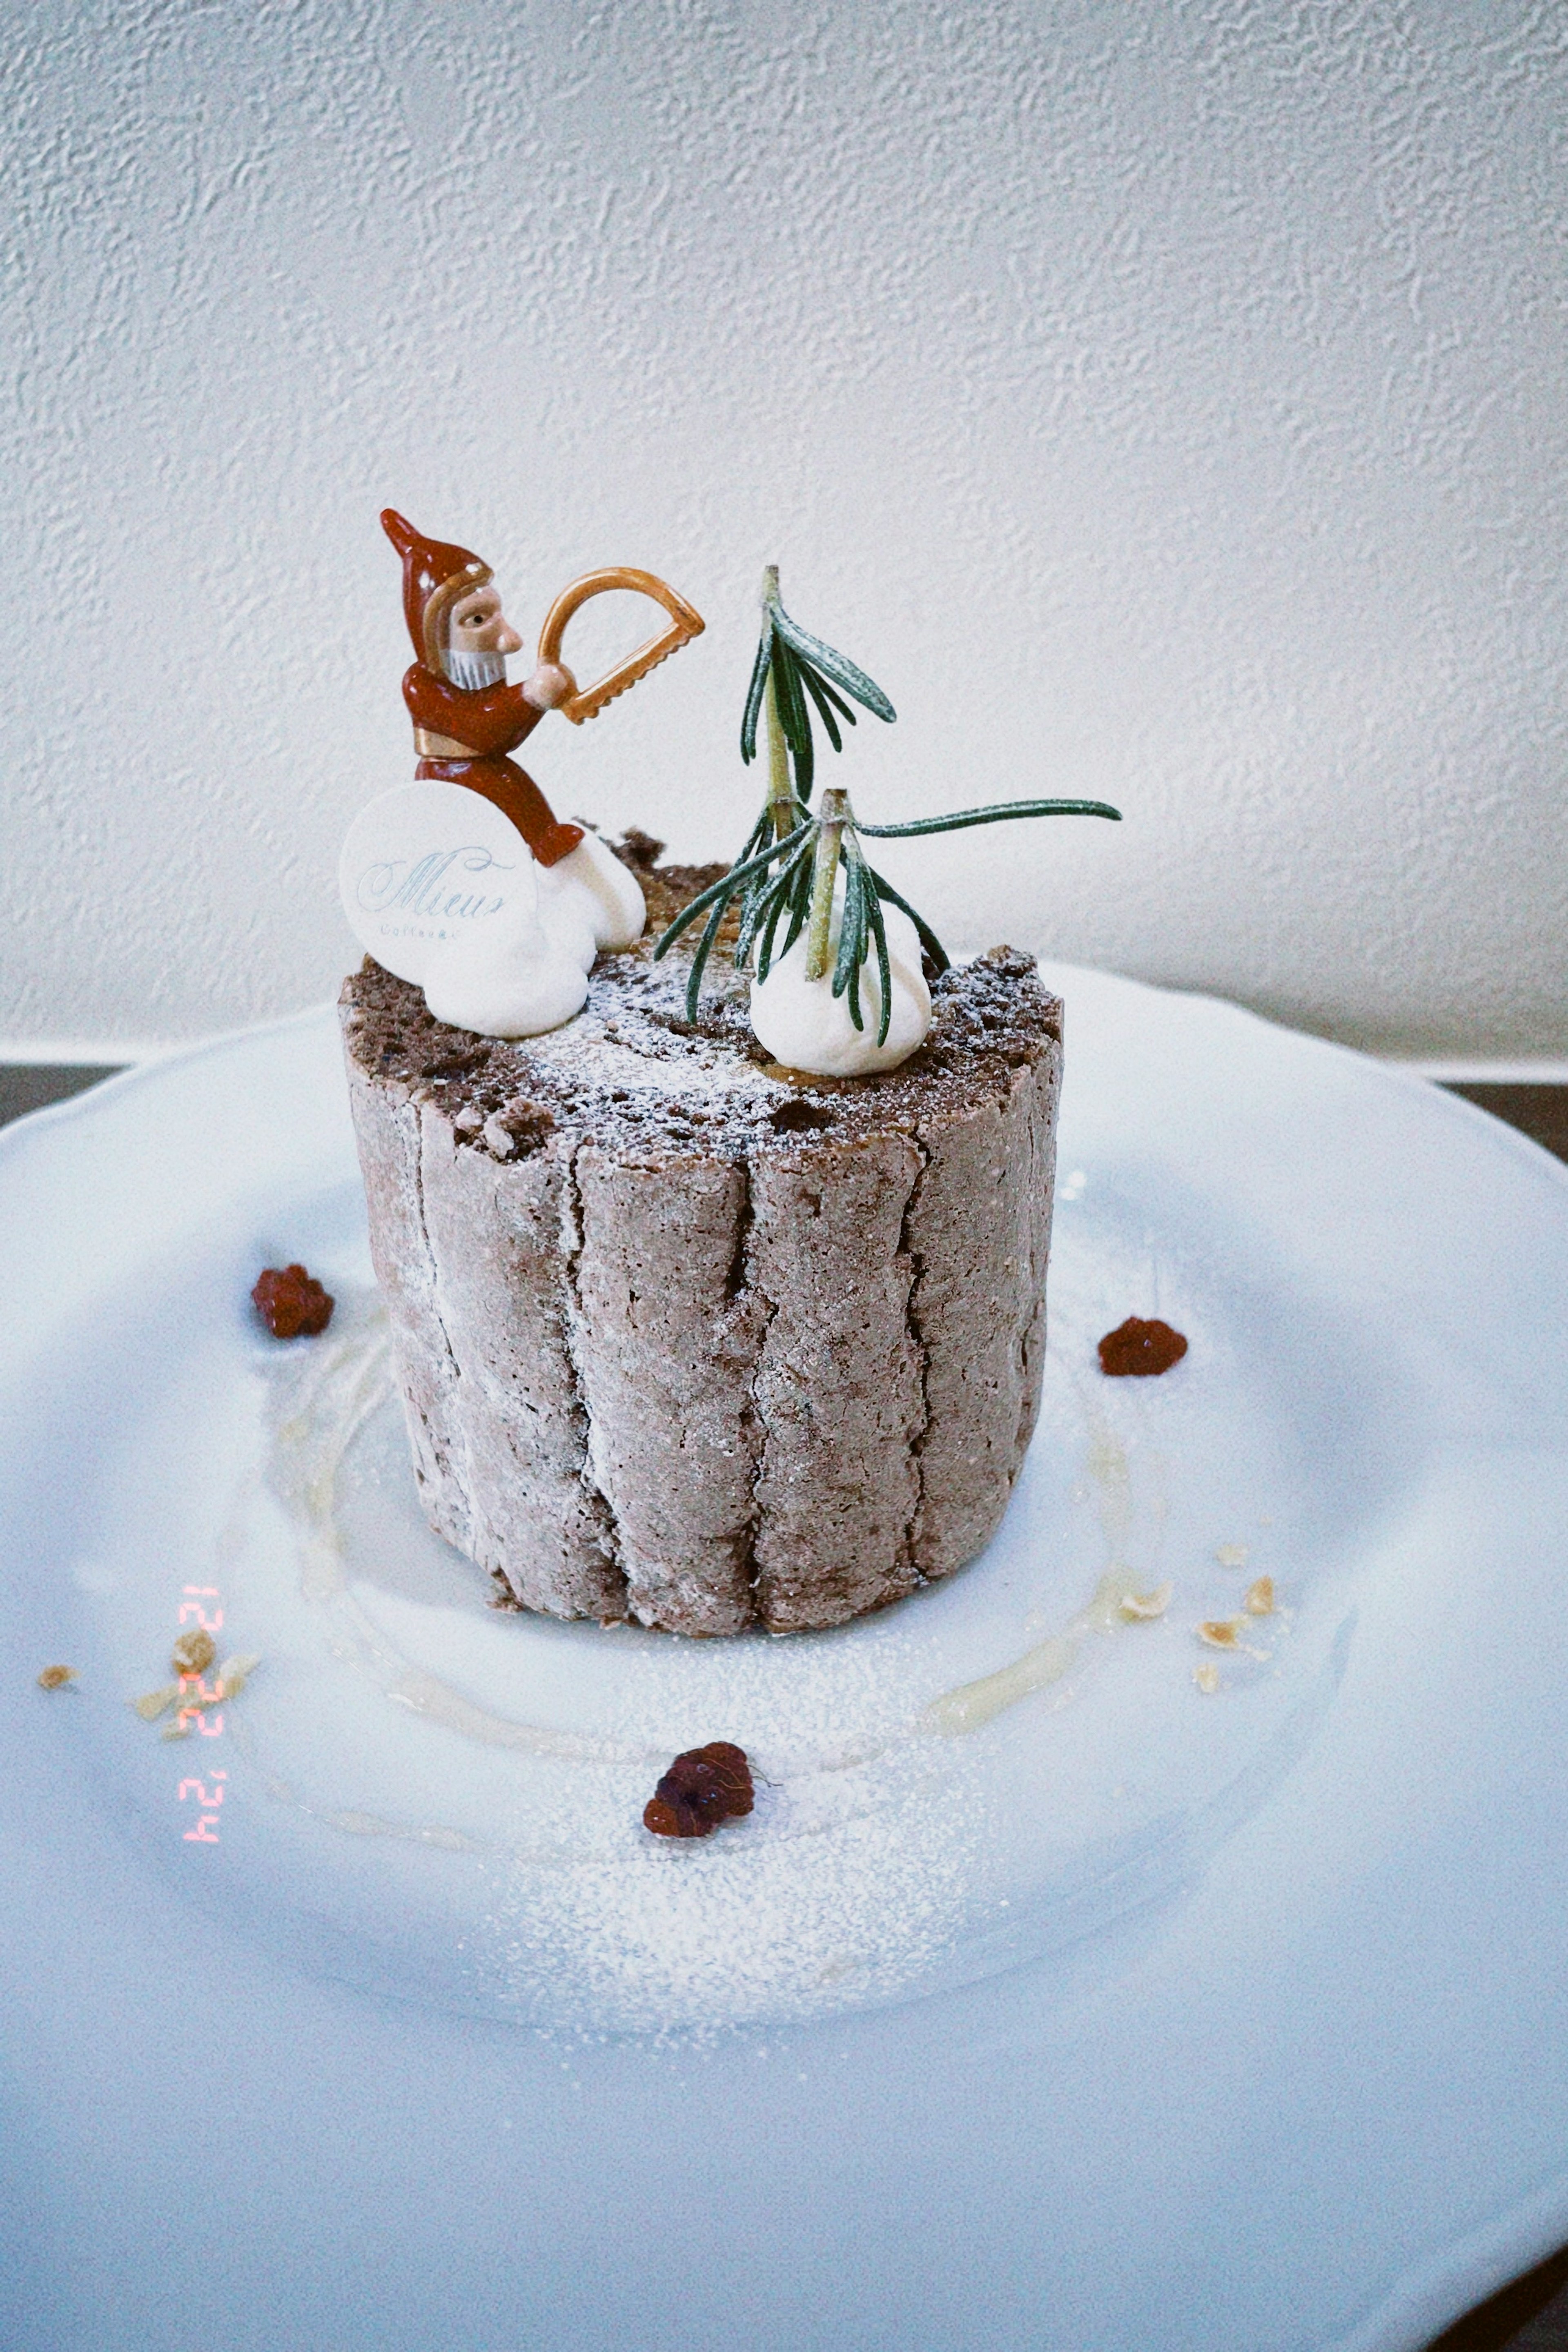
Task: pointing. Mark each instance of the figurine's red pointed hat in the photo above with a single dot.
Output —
(435, 574)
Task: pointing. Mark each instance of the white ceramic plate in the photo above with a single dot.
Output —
(1129, 2016)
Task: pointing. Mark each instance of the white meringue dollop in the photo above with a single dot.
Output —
(528, 970)
(524, 972)
(806, 1027)
(608, 891)
(441, 888)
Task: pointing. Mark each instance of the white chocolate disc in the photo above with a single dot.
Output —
(429, 867)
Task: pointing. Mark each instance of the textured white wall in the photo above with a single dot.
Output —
(1163, 401)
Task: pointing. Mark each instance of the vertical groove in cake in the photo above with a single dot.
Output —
(445, 1431)
(525, 1417)
(837, 1386)
(665, 1347)
(571, 1244)
(388, 1126)
(908, 1248)
(746, 1285)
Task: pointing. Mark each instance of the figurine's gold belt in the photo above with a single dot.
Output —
(441, 747)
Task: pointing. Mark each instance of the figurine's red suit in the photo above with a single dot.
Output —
(479, 725)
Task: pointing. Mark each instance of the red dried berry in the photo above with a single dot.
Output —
(291, 1303)
(1136, 1349)
(703, 1787)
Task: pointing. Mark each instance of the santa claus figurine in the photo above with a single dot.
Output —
(465, 717)
(516, 964)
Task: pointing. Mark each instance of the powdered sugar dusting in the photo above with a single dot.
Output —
(601, 1054)
(461, 1792)
(835, 1889)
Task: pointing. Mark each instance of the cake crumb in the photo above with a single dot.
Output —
(235, 1673)
(57, 1677)
(520, 1126)
(1206, 1677)
(1221, 1633)
(1137, 1606)
(194, 1652)
(1232, 1555)
(1258, 1598)
(638, 850)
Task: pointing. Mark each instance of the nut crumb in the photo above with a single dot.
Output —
(1221, 1633)
(1258, 1598)
(232, 1677)
(1136, 1605)
(1206, 1677)
(1232, 1555)
(56, 1677)
(194, 1652)
(153, 1703)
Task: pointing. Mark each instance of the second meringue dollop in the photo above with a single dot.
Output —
(806, 1026)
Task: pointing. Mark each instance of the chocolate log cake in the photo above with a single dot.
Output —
(689, 1338)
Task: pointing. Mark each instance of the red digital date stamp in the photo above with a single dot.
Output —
(196, 1700)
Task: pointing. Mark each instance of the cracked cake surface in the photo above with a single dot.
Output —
(689, 1338)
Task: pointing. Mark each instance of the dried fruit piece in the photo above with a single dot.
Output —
(1221, 1633)
(194, 1652)
(1137, 1349)
(291, 1303)
(1147, 1604)
(703, 1787)
(56, 1677)
(1258, 1598)
(1206, 1677)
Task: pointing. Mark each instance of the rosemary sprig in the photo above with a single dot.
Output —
(790, 665)
(792, 673)
(995, 815)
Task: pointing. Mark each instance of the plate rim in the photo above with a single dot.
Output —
(1446, 2285)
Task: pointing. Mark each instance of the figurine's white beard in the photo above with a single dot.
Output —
(473, 670)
